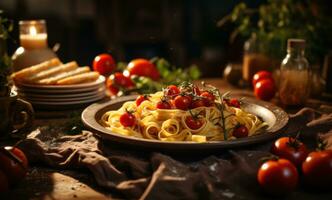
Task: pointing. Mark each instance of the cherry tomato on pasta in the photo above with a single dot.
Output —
(182, 102)
(194, 122)
(197, 103)
(278, 177)
(233, 102)
(172, 91)
(127, 119)
(240, 131)
(208, 98)
(163, 104)
(141, 98)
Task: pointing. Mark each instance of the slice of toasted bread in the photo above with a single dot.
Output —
(52, 80)
(30, 71)
(52, 71)
(80, 78)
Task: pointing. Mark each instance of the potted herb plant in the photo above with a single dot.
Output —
(273, 22)
(5, 61)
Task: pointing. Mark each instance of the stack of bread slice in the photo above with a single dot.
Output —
(54, 72)
(52, 84)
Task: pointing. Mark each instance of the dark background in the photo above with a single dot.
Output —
(183, 31)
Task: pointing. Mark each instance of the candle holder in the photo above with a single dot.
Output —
(34, 48)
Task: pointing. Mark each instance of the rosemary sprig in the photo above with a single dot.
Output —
(220, 106)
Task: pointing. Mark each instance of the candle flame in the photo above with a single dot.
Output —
(33, 30)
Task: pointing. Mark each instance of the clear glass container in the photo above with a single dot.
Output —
(295, 74)
(254, 59)
(34, 47)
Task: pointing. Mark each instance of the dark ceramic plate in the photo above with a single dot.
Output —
(273, 115)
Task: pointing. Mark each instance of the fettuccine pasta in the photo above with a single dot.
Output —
(172, 124)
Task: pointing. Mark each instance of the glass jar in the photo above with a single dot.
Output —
(34, 48)
(294, 84)
(254, 59)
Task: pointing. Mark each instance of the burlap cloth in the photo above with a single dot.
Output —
(142, 174)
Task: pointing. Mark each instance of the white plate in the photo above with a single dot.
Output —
(54, 100)
(62, 96)
(68, 103)
(65, 91)
(94, 84)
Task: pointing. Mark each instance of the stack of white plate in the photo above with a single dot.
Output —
(59, 96)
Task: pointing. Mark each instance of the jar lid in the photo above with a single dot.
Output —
(295, 43)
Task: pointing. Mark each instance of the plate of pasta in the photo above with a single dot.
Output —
(185, 117)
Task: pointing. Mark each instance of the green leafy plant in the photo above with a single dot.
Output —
(170, 75)
(276, 21)
(6, 26)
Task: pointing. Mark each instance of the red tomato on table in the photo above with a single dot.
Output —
(15, 169)
(261, 75)
(278, 177)
(4, 186)
(265, 89)
(143, 67)
(118, 80)
(317, 169)
(104, 64)
(290, 149)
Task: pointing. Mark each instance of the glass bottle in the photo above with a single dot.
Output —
(254, 59)
(294, 84)
(34, 48)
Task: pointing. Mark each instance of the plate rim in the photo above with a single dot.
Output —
(91, 111)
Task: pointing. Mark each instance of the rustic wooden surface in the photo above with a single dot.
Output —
(52, 184)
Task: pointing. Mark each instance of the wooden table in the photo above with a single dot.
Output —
(45, 183)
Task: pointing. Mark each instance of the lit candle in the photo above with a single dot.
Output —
(33, 34)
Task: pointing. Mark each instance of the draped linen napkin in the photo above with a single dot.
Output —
(142, 174)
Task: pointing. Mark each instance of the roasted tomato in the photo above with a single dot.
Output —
(104, 64)
(290, 149)
(163, 104)
(208, 98)
(141, 98)
(194, 122)
(4, 186)
(317, 169)
(261, 75)
(233, 102)
(240, 131)
(182, 102)
(197, 103)
(127, 119)
(172, 91)
(143, 67)
(278, 177)
(13, 163)
(265, 89)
